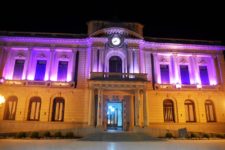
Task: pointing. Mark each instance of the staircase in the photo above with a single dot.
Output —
(118, 137)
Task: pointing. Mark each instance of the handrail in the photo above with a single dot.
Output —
(118, 76)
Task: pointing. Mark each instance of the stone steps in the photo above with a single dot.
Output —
(118, 136)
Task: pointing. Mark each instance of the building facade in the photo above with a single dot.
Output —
(111, 78)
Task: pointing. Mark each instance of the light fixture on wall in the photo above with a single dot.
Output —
(199, 86)
(2, 100)
(1, 80)
(178, 85)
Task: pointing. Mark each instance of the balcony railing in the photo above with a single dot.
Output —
(185, 87)
(38, 83)
(118, 76)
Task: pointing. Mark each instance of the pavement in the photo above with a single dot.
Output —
(119, 137)
(73, 144)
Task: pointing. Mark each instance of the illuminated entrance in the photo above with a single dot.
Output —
(115, 115)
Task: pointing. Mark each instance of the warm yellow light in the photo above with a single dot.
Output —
(2, 99)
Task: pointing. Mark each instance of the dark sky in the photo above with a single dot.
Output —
(177, 20)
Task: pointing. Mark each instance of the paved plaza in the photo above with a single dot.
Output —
(27, 144)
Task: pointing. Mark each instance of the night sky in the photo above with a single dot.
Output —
(169, 20)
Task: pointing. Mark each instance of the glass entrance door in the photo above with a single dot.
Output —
(114, 115)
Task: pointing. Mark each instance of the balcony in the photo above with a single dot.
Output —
(185, 87)
(118, 76)
(38, 83)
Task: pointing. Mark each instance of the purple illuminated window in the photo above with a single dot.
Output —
(184, 74)
(204, 75)
(18, 69)
(62, 70)
(164, 72)
(40, 70)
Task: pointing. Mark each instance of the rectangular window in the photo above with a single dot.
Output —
(18, 69)
(40, 70)
(164, 72)
(62, 70)
(204, 75)
(184, 74)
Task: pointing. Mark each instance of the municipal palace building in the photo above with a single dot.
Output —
(112, 78)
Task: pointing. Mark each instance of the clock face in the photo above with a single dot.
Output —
(116, 41)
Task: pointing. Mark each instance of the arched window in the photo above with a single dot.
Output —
(210, 111)
(168, 109)
(115, 64)
(34, 109)
(189, 111)
(10, 108)
(58, 109)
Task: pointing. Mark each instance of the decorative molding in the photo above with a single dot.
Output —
(163, 59)
(41, 55)
(183, 60)
(20, 55)
(64, 56)
(202, 61)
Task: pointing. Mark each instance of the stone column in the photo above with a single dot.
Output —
(136, 61)
(3, 60)
(137, 108)
(100, 108)
(131, 67)
(51, 62)
(175, 69)
(156, 69)
(91, 108)
(216, 68)
(145, 109)
(29, 59)
(194, 64)
(74, 52)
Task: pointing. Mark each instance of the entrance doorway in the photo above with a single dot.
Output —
(115, 116)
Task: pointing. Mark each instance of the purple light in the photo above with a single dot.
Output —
(44, 40)
(175, 46)
(1, 80)
(86, 45)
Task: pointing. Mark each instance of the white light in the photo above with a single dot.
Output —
(116, 41)
(199, 86)
(2, 99)
(113, 109)
(178, 85)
